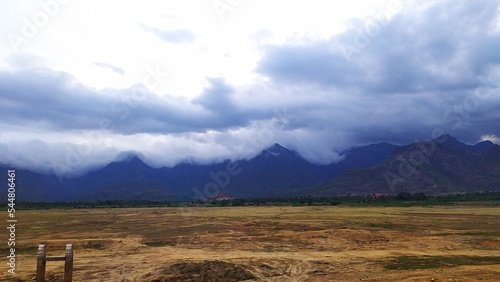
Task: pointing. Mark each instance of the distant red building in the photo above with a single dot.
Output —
(378, 195)
(222, 197)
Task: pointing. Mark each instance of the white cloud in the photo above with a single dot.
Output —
(493, 138)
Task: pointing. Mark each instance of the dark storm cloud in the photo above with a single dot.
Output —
(416, 72)
(218, 99)
(441, 48)
(171, 36)
(311, 62)
(56, 101)
(48, 98)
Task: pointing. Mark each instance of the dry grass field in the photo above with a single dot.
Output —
(264, 244)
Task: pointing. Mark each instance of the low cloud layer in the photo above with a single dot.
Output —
(420, 71)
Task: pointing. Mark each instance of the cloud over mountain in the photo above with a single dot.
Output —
(410, 73)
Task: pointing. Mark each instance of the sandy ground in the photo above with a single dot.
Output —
(264, 244)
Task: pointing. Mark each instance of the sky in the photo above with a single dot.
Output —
(83, 83)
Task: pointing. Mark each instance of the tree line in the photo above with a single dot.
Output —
(401, 199)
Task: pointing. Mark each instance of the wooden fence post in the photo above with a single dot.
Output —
(40, 264)
(42, 259)
(68, 264)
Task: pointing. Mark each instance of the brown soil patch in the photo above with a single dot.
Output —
(205, 271)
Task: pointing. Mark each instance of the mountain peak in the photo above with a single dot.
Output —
(445, 139)
(451, 143)
(276, 149)
(484, 145)
(129, 156)
(277, 146)
(448, 139)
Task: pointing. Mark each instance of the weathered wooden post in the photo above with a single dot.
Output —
(40, 264)
(43, 258)
(68, 264)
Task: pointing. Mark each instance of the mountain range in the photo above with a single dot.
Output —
(442, 165)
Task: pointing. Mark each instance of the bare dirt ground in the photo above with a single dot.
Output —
(264, 244)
